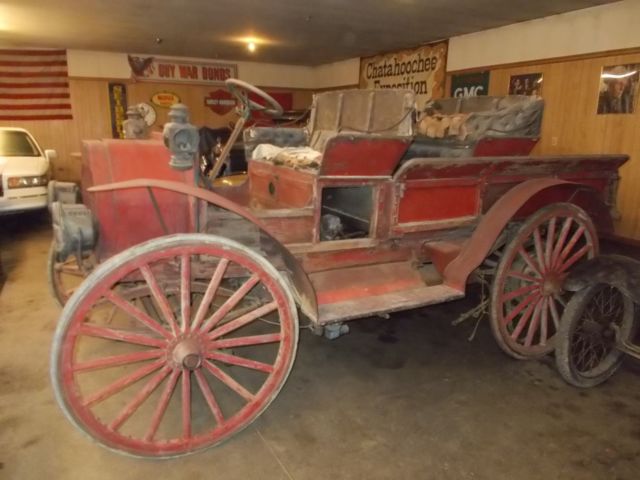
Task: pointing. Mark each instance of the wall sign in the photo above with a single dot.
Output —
(220, 101)
(168, 69)
(530, 84)
(421, 69)
(164, 99)
(118, 108)
(618, 89)
(470, 84)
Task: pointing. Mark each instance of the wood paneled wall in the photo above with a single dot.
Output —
(571, 125)
(92, 118)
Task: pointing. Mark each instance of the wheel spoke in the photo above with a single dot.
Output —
(139, 399)
(544, 321)
(533, 324)
(120, 336)
(565, 252)
(136, 313)
(229, 382)
(520, 307)
(537, 240)
(551, 233)
(243, 320)
(117, 360)
(561, 239)
(74, 271)
(522, 322)
(209, 397)
(231, 302)
(574, 258)
(529, 261)
(122, 383)
(522, 276)
(245, 341)
(240, 362)
(519, 292)
(212, 289)
(186, 404)
(162, 405)
(160, 298)
(185, 291)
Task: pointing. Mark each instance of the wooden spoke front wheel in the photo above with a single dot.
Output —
(527, 298)
(174, 345)
(586, 353)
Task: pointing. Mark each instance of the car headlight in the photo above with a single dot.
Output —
(27, 182)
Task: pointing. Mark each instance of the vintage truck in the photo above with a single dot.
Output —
(187, 328)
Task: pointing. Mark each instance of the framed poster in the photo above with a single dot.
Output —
(421, 69)
(529, 84)
(618, 89)
(473, 84)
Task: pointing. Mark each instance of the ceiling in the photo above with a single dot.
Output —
(310, 32)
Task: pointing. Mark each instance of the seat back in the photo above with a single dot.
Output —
(385, 112)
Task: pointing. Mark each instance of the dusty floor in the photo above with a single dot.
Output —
(408, 397)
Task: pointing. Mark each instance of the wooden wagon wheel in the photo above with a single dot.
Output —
(527, 299)
(586, 354)
(65, 277)
(174, 369)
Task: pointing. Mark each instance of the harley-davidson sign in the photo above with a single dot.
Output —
(421, 69)
(167, 69)
(220, 102)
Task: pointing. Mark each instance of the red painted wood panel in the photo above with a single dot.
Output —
(424, 203)
(362, 156)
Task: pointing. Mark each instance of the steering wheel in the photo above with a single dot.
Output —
(241, 90)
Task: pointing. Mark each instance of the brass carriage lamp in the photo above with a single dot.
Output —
(181, 138)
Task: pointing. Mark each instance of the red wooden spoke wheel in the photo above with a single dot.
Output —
(174, 345)
(65, 277)
(527, 298)
(586, 353)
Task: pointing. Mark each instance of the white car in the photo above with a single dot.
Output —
(24, 171)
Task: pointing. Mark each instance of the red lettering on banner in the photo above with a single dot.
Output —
(189, 72)
(166, 70)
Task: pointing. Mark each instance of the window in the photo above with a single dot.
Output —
(14, 143)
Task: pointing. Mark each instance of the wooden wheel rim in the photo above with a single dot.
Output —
(526, 297)
(92, 290)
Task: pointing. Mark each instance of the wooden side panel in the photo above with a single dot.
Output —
(274, 186)
(431, 201)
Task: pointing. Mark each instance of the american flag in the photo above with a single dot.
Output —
(34, 85)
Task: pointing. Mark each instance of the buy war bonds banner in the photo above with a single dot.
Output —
(421, 69)
(175, 70)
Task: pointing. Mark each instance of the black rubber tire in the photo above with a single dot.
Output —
(571, 319)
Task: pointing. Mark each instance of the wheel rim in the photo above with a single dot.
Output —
(528, 296)
(592, 347)
(166, 386)
(65, 277)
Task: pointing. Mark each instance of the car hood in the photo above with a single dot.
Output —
(19, 166)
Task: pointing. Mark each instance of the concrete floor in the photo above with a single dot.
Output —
(403, 398)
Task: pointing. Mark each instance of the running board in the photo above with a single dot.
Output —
(386, 303)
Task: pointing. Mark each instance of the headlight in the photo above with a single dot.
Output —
(26, 182)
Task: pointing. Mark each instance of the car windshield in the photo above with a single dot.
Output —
(14, 143)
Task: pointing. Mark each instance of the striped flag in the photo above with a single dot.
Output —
(34, 85)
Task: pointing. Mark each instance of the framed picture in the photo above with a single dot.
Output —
(529, 84)
(618, 89)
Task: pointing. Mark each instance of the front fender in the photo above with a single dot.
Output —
(303, 290)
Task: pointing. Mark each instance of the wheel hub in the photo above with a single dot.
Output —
(187, 353)
(552, 285)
